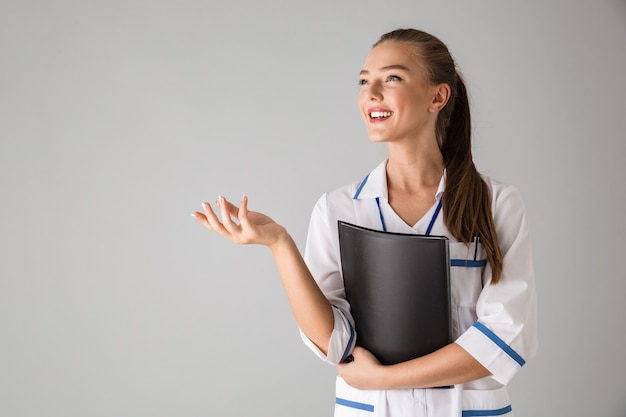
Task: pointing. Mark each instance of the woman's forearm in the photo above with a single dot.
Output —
(447, 366)
(311, 309)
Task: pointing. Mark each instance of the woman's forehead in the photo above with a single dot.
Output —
(391, 54)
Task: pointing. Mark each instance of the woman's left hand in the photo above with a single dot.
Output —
(364, 372)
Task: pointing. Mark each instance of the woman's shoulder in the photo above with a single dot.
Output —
(501, 191)
(352, 190)
(371, 181)
(339, 197)
(347, 191)
(507, 204)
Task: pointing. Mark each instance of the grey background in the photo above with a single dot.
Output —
(118, 118)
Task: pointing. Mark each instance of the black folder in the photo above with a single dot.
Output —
(398, 287)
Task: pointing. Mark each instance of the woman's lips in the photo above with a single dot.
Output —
(379, 115)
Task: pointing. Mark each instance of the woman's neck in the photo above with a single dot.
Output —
(413, 168)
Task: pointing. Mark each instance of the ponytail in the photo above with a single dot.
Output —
(467, 199)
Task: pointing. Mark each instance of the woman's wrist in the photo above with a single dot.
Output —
(385, 376)
(282, 239)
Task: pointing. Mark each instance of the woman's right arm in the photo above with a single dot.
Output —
(311, 309)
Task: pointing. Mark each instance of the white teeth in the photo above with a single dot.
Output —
(379, 114)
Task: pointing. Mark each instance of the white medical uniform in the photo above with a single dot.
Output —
(496, 324)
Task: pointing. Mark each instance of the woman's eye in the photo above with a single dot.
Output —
(394, 78)
(362, 82)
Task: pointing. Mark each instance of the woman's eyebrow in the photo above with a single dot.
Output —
(389, 68)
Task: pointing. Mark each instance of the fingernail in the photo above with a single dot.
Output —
(205, 206)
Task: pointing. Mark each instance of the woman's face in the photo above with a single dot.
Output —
(395, 100)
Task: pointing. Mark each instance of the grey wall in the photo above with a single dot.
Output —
(118, 118)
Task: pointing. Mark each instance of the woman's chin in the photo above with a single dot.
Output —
(378, 138)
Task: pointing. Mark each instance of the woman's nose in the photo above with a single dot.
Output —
(375, 92)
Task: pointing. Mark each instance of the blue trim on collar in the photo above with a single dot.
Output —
(380, 213)
(501, 343)
(435, 214)
(358, 191)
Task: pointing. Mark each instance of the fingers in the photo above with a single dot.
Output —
(228, 212)
(243, 212)
(209, 219)
(230, 207)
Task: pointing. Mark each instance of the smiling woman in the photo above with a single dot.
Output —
(395, 98)
(413, 99)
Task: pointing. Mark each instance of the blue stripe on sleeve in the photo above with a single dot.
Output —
(501, 344)
(354, 404)
(346, 353)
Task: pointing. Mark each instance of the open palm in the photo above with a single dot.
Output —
(240, 225)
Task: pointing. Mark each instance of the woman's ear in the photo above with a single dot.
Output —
(440, 97)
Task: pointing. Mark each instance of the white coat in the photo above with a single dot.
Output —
(496, 324)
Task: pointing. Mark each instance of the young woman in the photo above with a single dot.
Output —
(413, 99)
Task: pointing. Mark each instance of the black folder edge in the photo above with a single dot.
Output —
(369, 230)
